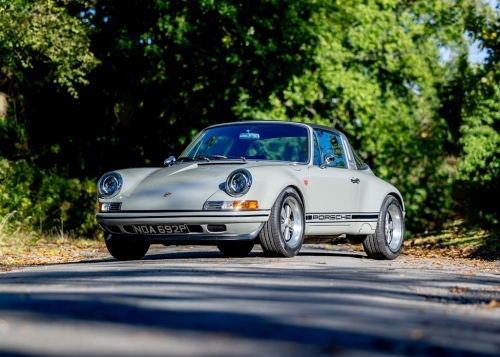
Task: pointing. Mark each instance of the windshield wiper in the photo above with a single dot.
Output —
(214, 157)
(221, 157)
(184, 158)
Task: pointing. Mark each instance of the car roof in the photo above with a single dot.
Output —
(313, 126)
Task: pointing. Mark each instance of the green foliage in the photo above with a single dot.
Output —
(42, 31)
(159, 71)
(376, 74)
(44, 200)
(478, 130)
(180, 66)
(41, 44)
(480, 162)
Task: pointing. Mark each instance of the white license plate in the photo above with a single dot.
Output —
(163, 229)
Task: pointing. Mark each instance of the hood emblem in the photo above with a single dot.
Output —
(167, 194)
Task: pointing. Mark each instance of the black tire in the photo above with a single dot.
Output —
(235, 249)
(123, 250)
(387, 242)
(283, 235)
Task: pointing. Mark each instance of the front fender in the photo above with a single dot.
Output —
(267, 183)
(131, 178)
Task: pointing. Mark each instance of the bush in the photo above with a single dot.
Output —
(47, 199)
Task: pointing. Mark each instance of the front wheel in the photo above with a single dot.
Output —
(283, 233)
(123, 250)
(387, 242)
(235, 249)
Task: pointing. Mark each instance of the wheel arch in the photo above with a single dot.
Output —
(301, 195)
(399, 198)
(268, 190)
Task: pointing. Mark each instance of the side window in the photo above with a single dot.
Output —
(329, 143)
(357, 159)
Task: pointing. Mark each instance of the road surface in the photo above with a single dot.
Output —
(191, 301)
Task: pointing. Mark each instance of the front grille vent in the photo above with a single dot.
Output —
(195, 228)
(216, 228)
(115, 207)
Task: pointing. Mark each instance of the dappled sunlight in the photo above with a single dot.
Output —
(266, 303)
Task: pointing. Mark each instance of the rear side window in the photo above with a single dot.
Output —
(332, 144)
(357, 159)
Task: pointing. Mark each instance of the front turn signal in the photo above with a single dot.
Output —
(246, 205)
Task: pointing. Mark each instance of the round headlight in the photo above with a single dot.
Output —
(238, 182)
(109, 185)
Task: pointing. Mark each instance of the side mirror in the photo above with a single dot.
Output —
(169, 161)
(327, 160)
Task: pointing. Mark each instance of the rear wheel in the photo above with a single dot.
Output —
(123, 250)
(235, 249)
(283, 233)
(387, 241)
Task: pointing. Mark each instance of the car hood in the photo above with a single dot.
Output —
(180, 187)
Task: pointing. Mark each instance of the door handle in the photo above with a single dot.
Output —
(355, 180)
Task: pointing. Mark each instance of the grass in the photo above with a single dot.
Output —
(19, 247)
(456, 242)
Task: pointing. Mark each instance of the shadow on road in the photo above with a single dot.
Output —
(311, 308)
(216, 255)
(327, 253)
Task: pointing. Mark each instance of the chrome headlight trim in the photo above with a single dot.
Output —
(238, 183)
(109, 185)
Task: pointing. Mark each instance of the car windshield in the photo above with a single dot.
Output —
(258, 141)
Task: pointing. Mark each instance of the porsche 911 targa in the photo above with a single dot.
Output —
(277, 184)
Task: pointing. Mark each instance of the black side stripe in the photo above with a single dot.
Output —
(368, 216)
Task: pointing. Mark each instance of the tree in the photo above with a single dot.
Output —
(377, 74)
(42, 31)
(479, 142)
(167, 68)
(43, 49)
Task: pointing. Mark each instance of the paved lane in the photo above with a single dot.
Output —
(193, 302)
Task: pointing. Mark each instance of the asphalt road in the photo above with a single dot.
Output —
(185, 301)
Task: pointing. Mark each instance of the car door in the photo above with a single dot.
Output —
(334, 188)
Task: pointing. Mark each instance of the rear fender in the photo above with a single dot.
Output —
(373, 191)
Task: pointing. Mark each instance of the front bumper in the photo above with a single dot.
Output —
(240, 225)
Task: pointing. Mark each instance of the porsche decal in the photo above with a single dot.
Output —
(335, 217)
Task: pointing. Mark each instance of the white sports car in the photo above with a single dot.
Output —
(277, 184)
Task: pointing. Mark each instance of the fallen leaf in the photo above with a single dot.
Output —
(458, 290)
(493, 304)
(416, 334)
